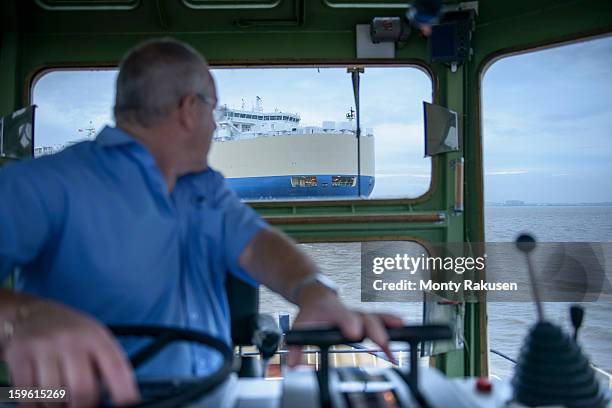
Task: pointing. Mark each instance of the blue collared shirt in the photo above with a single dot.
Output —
(94, 227)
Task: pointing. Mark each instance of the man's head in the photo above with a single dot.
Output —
(164, 87)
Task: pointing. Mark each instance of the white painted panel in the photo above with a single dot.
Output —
(311, 154)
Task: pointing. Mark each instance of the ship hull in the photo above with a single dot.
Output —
(315, 165)
(281, 186)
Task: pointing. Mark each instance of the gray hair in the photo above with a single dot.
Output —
(153, 77)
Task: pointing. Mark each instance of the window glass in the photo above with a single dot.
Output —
(548, 161)
(315, 137)
(282, 133)
(72, 105)
(341, 261)
(392, 106)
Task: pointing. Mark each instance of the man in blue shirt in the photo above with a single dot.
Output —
(135, 228)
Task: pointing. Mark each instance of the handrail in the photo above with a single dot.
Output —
(507, 357)
(605, 374)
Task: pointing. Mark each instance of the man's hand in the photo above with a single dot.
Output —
(273, 259)
(320, 306)
(55, 346)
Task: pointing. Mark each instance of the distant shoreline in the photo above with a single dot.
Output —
(605, 204)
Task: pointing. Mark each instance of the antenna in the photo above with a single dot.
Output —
(91, 130)
(351, 114)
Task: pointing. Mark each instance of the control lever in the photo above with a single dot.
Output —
(526, 244)
(552, 370)
(577, 316)
(266, 337)
(325, 338)
(413, 335)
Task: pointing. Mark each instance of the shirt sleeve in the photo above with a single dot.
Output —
(25, 222)
(241, 224)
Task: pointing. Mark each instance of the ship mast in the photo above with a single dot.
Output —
(351, 114)
(91, 130)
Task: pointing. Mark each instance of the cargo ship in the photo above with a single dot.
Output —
(269, 155)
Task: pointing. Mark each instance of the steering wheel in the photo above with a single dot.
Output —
(181, 393)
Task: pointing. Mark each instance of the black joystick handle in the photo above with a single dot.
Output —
(577, 316)
(526, 243)
(418, 334)
(322, 337)
(332, 336)
(266, 335)
(325, 338)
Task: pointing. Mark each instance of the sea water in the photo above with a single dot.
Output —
(508, 322)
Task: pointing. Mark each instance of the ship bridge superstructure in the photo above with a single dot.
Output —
(234, 124)
(240, 124)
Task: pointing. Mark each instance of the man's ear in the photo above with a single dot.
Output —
(188, 112)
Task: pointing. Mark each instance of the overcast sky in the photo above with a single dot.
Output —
(547, 117)
(548, 125)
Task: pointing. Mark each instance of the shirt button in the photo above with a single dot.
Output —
(194, 315)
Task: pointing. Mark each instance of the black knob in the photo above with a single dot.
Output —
(525, 243)
(577, 316)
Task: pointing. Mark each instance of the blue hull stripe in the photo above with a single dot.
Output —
(280, 187)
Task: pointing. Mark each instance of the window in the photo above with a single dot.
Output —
(548, 167)
(313, 133)
(340, 181)
(303, 181)
(72, 105)
(341, 261)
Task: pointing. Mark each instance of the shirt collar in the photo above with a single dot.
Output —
(113, 136)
